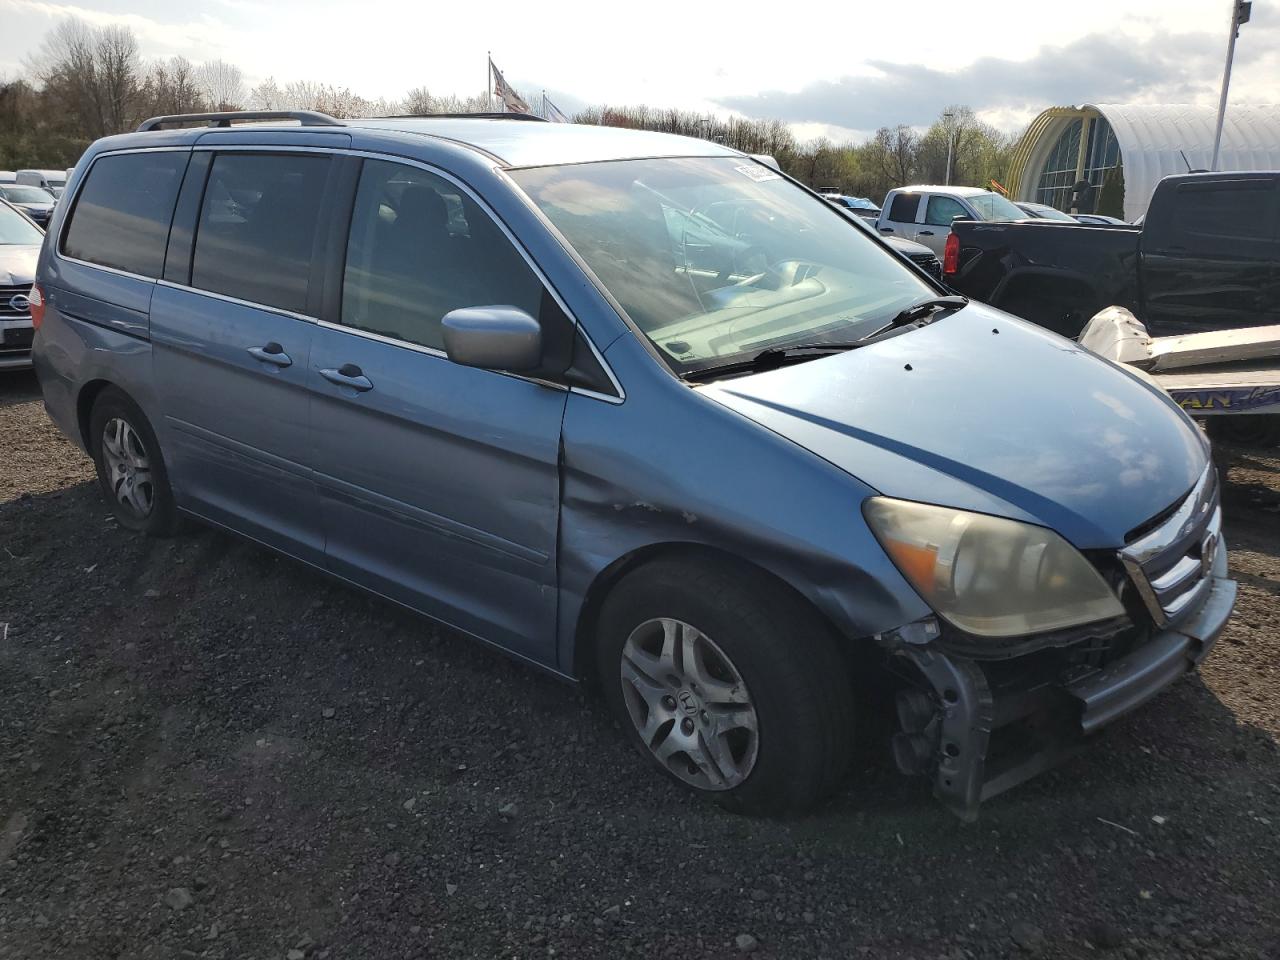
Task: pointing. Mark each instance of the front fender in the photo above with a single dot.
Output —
(670, 468)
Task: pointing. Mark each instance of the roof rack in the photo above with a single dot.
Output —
(467, 116)
(304, 117)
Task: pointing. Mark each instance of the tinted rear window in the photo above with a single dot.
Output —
(904, 208)
(1240, 209)
(122, 215)
(258, 226)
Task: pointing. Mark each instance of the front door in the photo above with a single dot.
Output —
(939, 211)
(231, 342)
(439, 483)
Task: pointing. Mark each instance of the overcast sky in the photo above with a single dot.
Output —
(840, 69)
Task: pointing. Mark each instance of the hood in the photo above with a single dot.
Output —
(29, 207)
(18, 264)
(909, 247)
(985, 412)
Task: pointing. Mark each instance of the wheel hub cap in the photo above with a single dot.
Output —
(689, 704)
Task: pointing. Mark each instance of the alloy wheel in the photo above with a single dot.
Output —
(689, 704)
(128, 467)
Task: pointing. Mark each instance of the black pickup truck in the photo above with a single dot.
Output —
(1206, 258)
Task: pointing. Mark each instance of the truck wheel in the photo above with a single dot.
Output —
(731, 685)
(130, 467)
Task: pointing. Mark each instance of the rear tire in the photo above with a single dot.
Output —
(130, 466)
(753, 706)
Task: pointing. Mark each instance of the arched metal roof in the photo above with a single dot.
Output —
(1151, 137)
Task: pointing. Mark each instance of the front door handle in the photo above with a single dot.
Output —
(886, 229)
(271, 353)
(348, 375)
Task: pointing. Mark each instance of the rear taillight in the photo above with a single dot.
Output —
(37, 306)
(951, 255)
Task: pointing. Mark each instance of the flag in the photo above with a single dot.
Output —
(997, 185)
(512, 102)
(553, 113)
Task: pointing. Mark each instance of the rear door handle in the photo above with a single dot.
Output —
(925, 233)
(271, 353)
(348, 375)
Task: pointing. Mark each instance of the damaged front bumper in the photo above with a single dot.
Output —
(984, 727)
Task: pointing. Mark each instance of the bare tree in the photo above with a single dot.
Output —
(419, 101)
(170, 87)
(222, 84)
(894, 153)
(267, 96)
(93, 74)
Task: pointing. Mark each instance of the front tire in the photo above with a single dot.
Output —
(729, 683)
(130, 467)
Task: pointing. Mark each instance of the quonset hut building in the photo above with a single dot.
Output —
(1123, 150)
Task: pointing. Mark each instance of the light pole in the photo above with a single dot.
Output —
(947, 117)
(1240, 10)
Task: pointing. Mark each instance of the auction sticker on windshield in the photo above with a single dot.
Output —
(758, 172)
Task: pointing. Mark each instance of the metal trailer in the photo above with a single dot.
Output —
(1228, 378)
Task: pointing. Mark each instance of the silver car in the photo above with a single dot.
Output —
(20, 241)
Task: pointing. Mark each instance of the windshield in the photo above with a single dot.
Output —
(1046, 212)
(15, 228)
(716, 258)
(25, 194)
(992, 206)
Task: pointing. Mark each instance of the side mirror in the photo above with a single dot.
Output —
(493, 338)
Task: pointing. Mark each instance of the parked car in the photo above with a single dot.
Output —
(8, 176)
(862, 206)
(1204, 259)
(20, 241)
(1042, 211)
(917, 253)
(52, 180)
(729, 498)
(925, 214)
(1100, 220)
(33, 201)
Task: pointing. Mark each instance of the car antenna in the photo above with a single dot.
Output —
(1185, 160)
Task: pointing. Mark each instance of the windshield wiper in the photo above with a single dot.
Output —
(924, 310)
(771, 358)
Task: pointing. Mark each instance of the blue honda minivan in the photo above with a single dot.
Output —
(640, 410)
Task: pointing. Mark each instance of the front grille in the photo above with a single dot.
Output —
(929, 263)
(1170, 564)
(8, 311)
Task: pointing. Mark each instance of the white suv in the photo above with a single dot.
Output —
(924, 214)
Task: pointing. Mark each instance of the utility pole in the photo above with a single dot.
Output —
(947, 117)
(1240, 11)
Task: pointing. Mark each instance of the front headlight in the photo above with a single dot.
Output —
(990, 576)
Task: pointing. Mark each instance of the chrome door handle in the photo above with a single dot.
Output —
(348, 375)
(271, 353)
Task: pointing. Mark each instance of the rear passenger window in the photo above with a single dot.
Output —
(122, 214)
(420, 247)
(904, 208)
(1233, 209)
(257, 227)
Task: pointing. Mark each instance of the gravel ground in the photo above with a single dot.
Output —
(208, 751)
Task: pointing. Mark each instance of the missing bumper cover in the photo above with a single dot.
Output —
(953, 745)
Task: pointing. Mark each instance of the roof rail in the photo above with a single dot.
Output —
(468, 116)
(304, 117)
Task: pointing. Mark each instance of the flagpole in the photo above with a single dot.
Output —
(488, 83)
